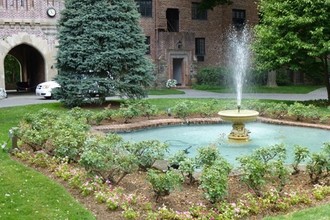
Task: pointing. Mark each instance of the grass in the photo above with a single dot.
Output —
(27, 194)
(164, 92)
(320, 213)
(301, 89)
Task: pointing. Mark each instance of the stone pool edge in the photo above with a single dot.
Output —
(128, 127)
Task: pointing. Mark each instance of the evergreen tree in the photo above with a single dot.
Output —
(101, 47)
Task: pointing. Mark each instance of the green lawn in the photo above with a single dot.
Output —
(261, 89)
(319, 213)
(26, 194)
(164, 92)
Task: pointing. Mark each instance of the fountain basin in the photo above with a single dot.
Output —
(181, 137)
(238, 118)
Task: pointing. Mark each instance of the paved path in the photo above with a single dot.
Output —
(19, 99)
(189, 93)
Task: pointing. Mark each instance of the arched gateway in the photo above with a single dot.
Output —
(28, 35)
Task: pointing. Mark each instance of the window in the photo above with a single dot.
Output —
(144, 7)
(197, 13)
(200, 48)
(238, 18)
(147, 41)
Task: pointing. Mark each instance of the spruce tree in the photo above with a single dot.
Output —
(101, 47)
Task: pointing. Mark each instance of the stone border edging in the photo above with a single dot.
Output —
(176, 121)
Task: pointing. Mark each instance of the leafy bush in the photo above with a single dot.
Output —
(182, 109)
(147, 152)
(57, 134)
(277, 110)
(128, 110)
(302, 111)
(207, 109)
(207, 155)
(185, 164)
(300, 154)
(163, 183)
(214, 180)
(319, 165)
(108, 158)
(264, 165)
(214, 76)
(146, 109)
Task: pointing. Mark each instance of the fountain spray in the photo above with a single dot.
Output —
(239, 58)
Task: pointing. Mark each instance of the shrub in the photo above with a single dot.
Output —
(146, 109)
(300, 154)
(207, 155)
(319, 165)
(263, 166)
(182, 109)
(128, 111)
(108, 158)
(207, 109)
(302, 111)
(147, 152)
(185, 165)
(57, 134)
(214, 180)
(213, 76)
(277, 110)
(163, 183)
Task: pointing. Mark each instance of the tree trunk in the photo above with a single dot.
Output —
(271, 79)
(326, 75)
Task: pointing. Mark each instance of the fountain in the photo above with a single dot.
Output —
(239, 57)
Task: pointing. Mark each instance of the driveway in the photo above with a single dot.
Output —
(22, 98)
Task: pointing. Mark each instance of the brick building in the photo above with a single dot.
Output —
(181, 37)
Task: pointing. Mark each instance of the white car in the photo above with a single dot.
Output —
(45, 89)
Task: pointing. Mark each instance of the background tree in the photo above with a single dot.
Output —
(294, 34)
(101, 47)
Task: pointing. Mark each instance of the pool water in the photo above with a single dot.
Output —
(262, 135)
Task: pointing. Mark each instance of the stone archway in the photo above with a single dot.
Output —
(32, 67)
(34, 53)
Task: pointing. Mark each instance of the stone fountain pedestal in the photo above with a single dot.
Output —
(238, 118)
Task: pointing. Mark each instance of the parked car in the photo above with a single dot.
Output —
(45, 89)
(3, 93)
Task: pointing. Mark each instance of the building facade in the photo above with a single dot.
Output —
(181, 37)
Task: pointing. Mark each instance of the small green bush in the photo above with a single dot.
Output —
(182, 109)
(108, 158)
(214, 180)
(300, 154)
(163, 183)
(207, 155)
(301, 111)
(318, 167)
(147, 152)
(264, 165)
(213, 76)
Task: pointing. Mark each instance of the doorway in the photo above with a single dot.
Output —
(178, 70)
